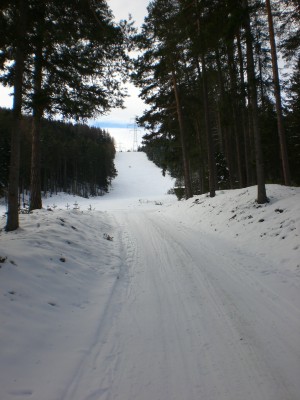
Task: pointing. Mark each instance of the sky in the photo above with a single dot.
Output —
(119, 122)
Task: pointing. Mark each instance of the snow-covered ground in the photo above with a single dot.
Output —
(135, 296)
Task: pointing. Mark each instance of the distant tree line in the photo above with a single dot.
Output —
(219, 114)
(75, 158)
(66, 59)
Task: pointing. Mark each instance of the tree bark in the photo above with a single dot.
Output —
(234, 97)
(244, 116)
(280, 125)
(261, 188)
(225, 130)
(201, 166)
(186, 167)
(35, 178)
(209, 138)
(12, 222)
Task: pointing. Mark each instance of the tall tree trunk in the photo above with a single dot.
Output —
(280, 126)
(234, 102)
(12, 222)
(244, 115)
(261, 84)
(225, 130)
(38, 106)
(186, 166)
(201, 166)
(35, 178)
(209, 138)
(261, 188)
(220, 104)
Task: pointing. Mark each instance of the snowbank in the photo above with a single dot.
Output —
(271, 230)
(56, 275)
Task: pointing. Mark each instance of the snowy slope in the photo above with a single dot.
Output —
(189, 300)
(138, 178)
(138, 183)
(270, 230)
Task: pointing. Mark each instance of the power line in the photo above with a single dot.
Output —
(135, 131)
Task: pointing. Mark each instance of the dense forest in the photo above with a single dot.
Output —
(64, 60)
(222, 112)
(75, 159)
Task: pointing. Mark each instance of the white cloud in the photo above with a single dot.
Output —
(134, 106)
(122, 8)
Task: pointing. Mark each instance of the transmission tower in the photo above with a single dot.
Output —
(135, 131)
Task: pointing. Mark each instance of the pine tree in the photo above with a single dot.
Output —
(73, 63)
(260, 174)
(20, 17)
(76, 66)
(159, 68)
(216, 55)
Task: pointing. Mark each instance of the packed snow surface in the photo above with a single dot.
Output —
(136, 296)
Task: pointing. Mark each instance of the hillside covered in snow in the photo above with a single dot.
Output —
(137, 296)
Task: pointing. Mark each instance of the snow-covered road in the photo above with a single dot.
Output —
(193, 300)
(192, 320)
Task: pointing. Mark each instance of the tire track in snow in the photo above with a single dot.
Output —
(267, 323)
(103, 350)
(183, 329)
